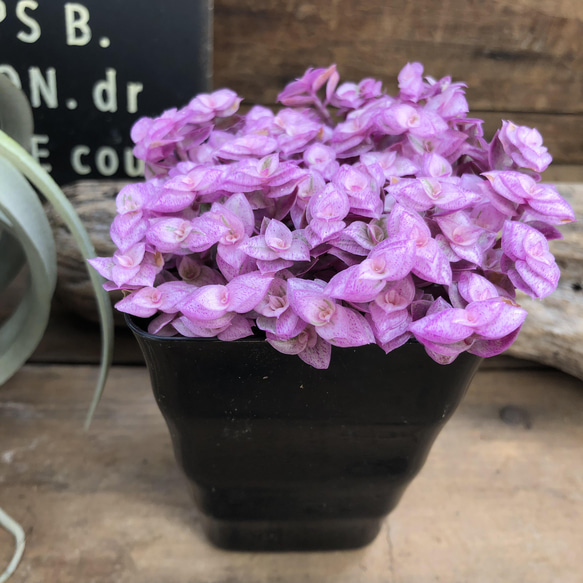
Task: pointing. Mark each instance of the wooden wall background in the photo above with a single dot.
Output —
(522, 59)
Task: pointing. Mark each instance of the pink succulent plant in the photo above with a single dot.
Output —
(346, 218)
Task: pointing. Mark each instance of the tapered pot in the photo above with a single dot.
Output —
(282, 456)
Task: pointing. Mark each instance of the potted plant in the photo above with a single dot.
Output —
(376, 238)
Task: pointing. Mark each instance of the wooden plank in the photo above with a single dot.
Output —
(497, 500)
(562, 173)
(515, 56)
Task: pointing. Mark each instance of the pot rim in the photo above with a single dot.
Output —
(134, 326)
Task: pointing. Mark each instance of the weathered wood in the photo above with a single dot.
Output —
(553, 331)
(497, 500)
(94, 202)
(562, 173)
(515, 55)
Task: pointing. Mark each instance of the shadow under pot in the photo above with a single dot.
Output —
(283, 456)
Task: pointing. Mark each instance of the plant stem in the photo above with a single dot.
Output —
(322, 110)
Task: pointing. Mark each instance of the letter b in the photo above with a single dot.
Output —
(76, 23)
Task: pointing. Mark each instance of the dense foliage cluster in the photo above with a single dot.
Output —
(348, 217)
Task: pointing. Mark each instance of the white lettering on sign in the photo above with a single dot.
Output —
(132, 166)
(11, 73)
(34, 33)
(41, 86)
(39, 153)
(106, 161)
(44, 90)
(105, 92)
(77, 24)
(76, 163)
(133, 90)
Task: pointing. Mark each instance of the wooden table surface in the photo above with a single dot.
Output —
(499, 500)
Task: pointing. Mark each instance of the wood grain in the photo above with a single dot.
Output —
(497, 500)
(522, 56)
(94, 203)
(522, 60)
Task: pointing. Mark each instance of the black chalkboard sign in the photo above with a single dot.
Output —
(92, 68)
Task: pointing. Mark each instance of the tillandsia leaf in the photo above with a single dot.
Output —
(22, 161)
(22, 215)
(13, 258)
(15, 530)
(16, 117)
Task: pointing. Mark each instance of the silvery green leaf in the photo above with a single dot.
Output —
(22, 216)
(24, 163)
(16, 530)
(13, 258)
(16, 118)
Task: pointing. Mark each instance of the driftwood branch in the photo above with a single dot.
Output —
(552, 333)
(94, 201)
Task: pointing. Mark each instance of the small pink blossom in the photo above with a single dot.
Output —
(527, 260)
(525, 147)
(213, 302)
(334, 323)
(411, 81)
(221, 103)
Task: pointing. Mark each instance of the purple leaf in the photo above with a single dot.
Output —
(257, 248)
(290, 346)
(431, 264)
(187, 327)
(128, 229)
(388, 325)
(396, 295)
(442, 327)
(142, 303)
(525, 146)
(207, 303)
(349, 285)
(346, 328)
(474, 287)
(239, 327)
(272, 267)
(396, 342)
(308, 300)
(487, 348)
(246, 291)
(161, 325)
(495, 318)
(317, 355)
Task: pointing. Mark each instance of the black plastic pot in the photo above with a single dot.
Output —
(281, 456)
